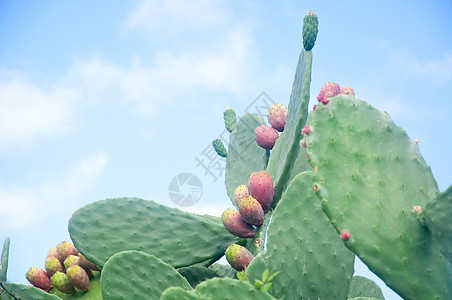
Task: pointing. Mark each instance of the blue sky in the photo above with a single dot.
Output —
(114, 98)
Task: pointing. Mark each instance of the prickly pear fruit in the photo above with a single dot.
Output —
(71, 260)
(251, 211)
(219, 148)
(53, 252)
(238, 257)
(260, 187)
(310, 30)
(78, 277)
(53, 265)
(65, 249)
(229, 119)
(239, 193)
(86, 263)
(39, 278)
(328, 90)
(61, 282)
(233, 222)
(265, 136)
(277, 116)
(345, 90)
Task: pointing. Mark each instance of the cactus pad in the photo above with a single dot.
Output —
(369, 176)
(25, 292)
(437, 215)
(244, 155)
(138, 275)
(364, 287)
(104, 228)
(287, 146)
(4, 260)
(196, 274)
(303, 245)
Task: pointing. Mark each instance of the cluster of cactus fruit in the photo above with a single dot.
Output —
(338, 181)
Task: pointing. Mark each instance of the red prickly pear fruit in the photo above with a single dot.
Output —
(265, 136)
(251, 211)
(233, 222)
(78, 277)
(39, 278)
(86, 263)
(53, 252)
(239, 193)
(238, 257)
(329, 87)
(71, 260)
(345, 90)
(345, 234)
(277, 116)
(61, 282)
(65, 249)
(53, 265)
(260, 187)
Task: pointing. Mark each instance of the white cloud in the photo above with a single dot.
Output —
(28, 112)
(22, 206)
(172, 17)
(436, 70)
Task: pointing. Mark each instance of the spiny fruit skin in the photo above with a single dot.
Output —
(239, 193)
(65, 249)
(219, 148)
(310, 30)
(71, 260)
(61, 282)
(346, 90)
(251, 211)
(78, 277)
(277, 116)
(87, 264)
(233, 222)
(238, 257)
(39, 278)
(265, 136)
(328, 90)
(53, 265)
(53, 252)
(260, 187)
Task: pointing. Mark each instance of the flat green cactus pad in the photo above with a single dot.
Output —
(305, 248)
(4, 260)
(369, 177)
(25, 292)
(285, 151)
(437, 216)
(196, 274)
(138, 275)
(364, 287)
(178, 293)
(245, 156)
(104, 228)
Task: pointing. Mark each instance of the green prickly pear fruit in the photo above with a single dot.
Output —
(310, 30)
(71, 260)
(53, 265)
(277, 116)
(251, 211)
(86, 263)
(239, 193)
(39, 278)
(78, 277)
(219, 148)
(238, 257)
(233, 222)
(65, 249)
(260, 187)
(265, 136)
(61, 282)
(230, 119)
